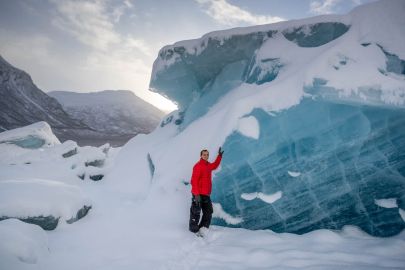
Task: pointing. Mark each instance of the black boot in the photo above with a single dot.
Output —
(195, 210)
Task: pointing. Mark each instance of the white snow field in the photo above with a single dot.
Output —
(140, 206)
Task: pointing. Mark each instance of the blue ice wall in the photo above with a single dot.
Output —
(348, 155)
(317, 34)
(30, 141)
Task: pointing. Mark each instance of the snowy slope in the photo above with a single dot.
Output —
(116, 112)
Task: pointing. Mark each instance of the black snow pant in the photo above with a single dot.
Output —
(206, 206)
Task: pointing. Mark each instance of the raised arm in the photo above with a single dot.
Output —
(214, 165)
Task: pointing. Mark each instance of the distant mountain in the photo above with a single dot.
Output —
(23, 103)
(111, 111)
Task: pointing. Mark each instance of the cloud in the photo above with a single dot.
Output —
(120, 10)
(93, 24)
(323, 7)
(38, 45)
(87, 21)
(330, 6)
(228, 14)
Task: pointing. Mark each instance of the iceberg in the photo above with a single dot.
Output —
(313, 109)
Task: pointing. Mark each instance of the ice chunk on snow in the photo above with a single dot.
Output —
(220, 213)
(294, 174)
(31, 136)
(386, 203)
(37, 197)
(268, 198)
(249, 127)
(21, 243)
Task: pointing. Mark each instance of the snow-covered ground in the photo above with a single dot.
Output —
(126, 229)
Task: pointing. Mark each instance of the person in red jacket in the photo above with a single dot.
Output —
(201, 186)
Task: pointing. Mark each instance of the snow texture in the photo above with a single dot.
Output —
(248, 126)
(22, 245)
(387, 203)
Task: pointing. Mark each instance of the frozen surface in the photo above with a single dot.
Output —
(348, 155)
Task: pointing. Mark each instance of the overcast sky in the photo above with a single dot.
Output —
(86, 46)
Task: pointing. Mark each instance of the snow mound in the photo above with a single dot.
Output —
(42, 202)
(21, 244)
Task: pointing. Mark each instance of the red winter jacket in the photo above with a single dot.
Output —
(201, 178)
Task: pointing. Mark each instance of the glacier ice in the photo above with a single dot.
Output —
(317, 34)
(348, 156)
(31, 137)
(193, 70)
(29, 141)
(328, 95)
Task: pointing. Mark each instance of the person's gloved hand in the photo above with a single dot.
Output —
(220, 152)
(197, 199)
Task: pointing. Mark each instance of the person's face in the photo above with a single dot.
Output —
(205, 155)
